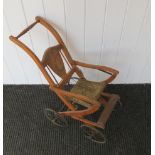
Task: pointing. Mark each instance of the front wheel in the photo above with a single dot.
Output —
(55, 118)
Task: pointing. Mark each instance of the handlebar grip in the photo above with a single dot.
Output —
(27, 29)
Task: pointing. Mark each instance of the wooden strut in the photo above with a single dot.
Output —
(73, 64)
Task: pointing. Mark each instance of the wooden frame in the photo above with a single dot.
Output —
(94, 105)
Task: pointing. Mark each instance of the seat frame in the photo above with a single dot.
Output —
(72, 111)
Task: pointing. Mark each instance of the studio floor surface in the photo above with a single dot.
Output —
(27, 131)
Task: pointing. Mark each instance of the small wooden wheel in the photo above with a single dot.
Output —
(93, 134)
(55, 118)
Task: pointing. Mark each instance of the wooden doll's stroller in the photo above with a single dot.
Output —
(87, 94)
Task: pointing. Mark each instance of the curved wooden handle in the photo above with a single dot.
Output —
(53, 31)
(34, 57)
(43, 22)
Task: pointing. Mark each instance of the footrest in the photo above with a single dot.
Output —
(107, 110)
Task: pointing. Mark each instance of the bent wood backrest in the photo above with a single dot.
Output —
(52, 58)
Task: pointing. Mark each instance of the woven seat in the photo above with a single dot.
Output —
(87, 88)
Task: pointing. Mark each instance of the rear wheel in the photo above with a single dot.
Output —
(93, 134)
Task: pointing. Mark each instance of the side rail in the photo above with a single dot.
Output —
(93, 108)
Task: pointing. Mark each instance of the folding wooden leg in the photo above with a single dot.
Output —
(109, 106)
